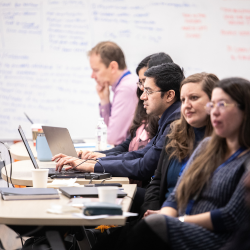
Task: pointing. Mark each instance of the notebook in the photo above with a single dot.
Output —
(29, 193)
(72, 192)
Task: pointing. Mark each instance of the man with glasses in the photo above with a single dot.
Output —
(109, 68)
(161, 97)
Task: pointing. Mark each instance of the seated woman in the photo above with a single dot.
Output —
(143, 127)
(207, 205)
(186, 133)
(240, 239)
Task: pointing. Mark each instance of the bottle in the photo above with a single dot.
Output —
(101, 135)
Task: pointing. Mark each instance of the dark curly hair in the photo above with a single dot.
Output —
(167, 76)
(140, 115)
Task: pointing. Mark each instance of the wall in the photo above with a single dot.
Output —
(44, 69)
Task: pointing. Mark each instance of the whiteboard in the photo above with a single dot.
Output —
(44, 68)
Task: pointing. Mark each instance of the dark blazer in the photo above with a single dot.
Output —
(156, 190)
(141, 164)
(119, 149)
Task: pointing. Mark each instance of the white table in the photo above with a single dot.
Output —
(19, 152)
(21, 174)
(33, 212)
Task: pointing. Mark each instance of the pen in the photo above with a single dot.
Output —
(28, 118)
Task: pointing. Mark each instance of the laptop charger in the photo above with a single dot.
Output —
(98, 176)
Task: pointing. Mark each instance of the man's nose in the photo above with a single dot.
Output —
(93, 74)
(144, 96)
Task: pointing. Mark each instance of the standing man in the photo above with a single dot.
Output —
(109, 68)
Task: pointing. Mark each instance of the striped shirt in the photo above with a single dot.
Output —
(223, 197)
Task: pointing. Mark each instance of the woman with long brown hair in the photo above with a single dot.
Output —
(207, 205)
(183, 138)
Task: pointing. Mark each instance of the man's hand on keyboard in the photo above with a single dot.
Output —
(87, 154)
(73, 162)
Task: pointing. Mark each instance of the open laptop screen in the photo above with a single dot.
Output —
(27, 147)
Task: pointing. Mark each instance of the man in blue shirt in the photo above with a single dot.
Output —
(161, 97)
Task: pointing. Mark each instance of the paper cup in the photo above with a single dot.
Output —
(107, 194)
(40, 178)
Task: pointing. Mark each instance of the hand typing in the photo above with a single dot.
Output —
(72, 162)
(86, 154)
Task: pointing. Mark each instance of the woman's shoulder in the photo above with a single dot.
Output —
(203, 143)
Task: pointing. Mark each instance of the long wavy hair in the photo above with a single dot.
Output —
(214, 153)
(181, 137)
(140, 116)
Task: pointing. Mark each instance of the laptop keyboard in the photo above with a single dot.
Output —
(54, 171)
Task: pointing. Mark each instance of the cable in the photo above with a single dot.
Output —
(97, 162)
(6, 174)
(110, 178)
(93, 178)
(29, 233)
(85, 161)
(7, 147)
(129, 197)
(76, 166)
(21, 241)
(11, 168)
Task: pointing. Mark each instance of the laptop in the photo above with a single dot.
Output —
(72, 192)
(59, 141)
(51, 167)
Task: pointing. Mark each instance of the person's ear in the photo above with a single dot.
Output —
(170, 95)
(113, 66)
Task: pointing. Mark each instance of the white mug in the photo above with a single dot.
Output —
(107, 194)
(40, 178)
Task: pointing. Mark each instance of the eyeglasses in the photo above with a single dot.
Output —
(149, 92)
(220, 105)
(140, 83)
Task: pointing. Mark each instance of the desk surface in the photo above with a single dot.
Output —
(33, 212)
(21, 174)
(19, 152)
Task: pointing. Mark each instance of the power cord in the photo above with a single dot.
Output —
(8, 148)
(98, 163)
(106, 179)
(30, 233)
(5, 170)
(94, 176)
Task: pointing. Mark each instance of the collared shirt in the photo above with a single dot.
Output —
(118, 116)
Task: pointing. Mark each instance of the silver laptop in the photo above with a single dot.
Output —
(51, 167)
(59, 141)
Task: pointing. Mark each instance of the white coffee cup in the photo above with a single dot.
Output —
(40, 178)
(107, 194)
